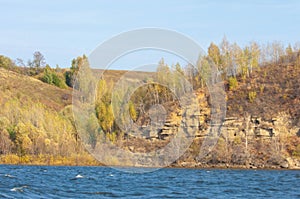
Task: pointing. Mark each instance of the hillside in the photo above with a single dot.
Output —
(261, 129)
(15, 85)
(276, 88)
(36, 123)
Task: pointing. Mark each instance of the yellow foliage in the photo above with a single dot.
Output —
(251, 96)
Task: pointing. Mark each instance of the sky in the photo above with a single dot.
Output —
(64, 29)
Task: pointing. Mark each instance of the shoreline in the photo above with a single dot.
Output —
(212, 167)
(89, 161)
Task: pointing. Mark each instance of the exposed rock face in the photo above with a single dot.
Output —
(249, 142)
(233, 127)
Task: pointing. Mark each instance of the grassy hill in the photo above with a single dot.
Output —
(15, 85)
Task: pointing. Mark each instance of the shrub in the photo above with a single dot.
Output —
(251, 96)
(296, 152)
(51, 77)
(233, 83)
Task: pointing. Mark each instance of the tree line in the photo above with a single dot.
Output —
(231, 60)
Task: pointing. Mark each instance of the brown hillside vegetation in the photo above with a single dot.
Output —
(270, 90)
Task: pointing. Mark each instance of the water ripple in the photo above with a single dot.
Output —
(101, 182)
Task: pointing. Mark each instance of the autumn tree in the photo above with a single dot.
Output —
(254, 56)
(132, 111)
(6, 62)
(226, 56)
(104, 110)
(233, 68)
(204, 68)
(289, 52)
(215, 55)
(277, 51)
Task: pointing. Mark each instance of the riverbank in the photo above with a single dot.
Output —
(79, 160)
(50, 160)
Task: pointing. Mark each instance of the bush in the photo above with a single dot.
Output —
(252, 96)
(51, 77)
(233, 83)
(296, 152)
(6, 62)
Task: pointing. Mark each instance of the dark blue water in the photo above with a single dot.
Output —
(101, 182)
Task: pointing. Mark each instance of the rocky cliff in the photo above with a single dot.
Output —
(261, 132)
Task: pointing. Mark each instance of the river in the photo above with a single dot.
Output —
(106, 182)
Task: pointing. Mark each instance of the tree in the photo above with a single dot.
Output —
(190, 72)
(132, 111)
(163, 72)
(233, 83)
(277, 51)
(92, 130)
(104, 111)
(179, 69)
(20, 62)
(215, 55)
(6, 62)
(245, 62)
(204, 68)
(75, 67)
(47, 78)
(297, 46)
(51, 77)
(254, 56)
(289, 52)
(38, 60)
(239, 60)
(226, 56)
(235, 54)
(36, 64)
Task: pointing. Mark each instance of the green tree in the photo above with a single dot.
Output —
(53, 78)
(47, 77)
(76, 65)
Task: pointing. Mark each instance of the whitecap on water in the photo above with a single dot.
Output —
(9, 176)
(79, 176)
(19, 189)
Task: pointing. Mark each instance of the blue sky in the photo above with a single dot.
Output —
(64, 29)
